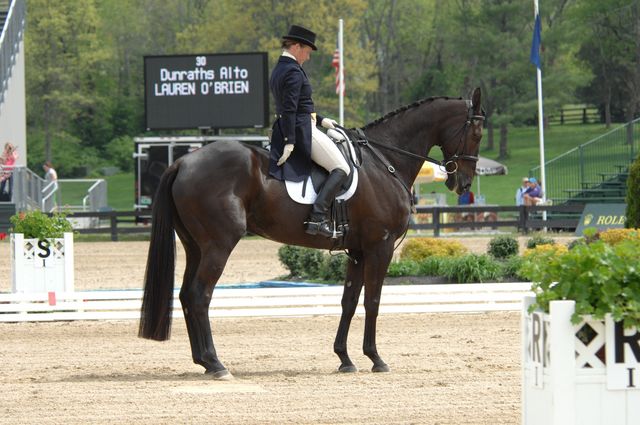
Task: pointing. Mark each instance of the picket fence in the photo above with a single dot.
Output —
(302, 301)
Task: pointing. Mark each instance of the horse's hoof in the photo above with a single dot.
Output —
(220, 375)
(380, 368)
(347, 369)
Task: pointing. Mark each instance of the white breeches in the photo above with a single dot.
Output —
(325, 153)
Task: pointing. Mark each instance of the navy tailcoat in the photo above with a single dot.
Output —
(292, 92)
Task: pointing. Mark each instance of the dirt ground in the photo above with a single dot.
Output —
(446, 368)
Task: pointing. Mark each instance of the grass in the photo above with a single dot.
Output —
(523, 154)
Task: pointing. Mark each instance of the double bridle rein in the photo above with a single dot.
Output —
(459, 154)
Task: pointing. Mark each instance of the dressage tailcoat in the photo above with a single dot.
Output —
(292, 93)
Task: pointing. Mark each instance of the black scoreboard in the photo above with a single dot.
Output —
(206, 91)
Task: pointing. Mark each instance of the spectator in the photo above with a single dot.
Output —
(466, 198)
(533, 195)
(521, 190)
(50, 173)
(7, 161)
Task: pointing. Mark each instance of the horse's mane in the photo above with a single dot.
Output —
(406, 108)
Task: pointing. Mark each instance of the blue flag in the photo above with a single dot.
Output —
(536, 42)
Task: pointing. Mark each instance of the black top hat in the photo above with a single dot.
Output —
(302, 35)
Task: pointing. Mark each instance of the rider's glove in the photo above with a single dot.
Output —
(285, 154)
(328, 123)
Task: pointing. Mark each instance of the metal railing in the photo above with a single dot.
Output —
(10, 38)
(591, 163)
(31, 191)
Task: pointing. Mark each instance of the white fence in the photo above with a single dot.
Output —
(305, 301)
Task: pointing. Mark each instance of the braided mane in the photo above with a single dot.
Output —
(406, 108)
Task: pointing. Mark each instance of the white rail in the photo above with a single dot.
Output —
(306, 301)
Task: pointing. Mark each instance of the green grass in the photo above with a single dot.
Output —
(523, 151)
(121, 193)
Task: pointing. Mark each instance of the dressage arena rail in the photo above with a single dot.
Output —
(522, 218)
(263, 302)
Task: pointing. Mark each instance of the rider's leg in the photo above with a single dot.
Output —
(326, 154)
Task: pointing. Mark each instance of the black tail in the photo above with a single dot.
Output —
(157, 302)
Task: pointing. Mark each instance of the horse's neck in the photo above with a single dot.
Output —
(410, 138)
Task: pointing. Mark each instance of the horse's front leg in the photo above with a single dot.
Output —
(376, 263)
(350, 296)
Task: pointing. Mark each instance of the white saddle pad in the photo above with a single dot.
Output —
(295, 190)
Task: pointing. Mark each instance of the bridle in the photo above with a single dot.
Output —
(462, 144)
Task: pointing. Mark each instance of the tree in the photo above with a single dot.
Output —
(64, 60)
(610, 48)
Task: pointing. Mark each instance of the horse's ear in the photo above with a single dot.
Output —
(475, 98)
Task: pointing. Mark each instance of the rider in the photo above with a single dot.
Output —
(295, 126)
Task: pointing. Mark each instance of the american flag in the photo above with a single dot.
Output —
(336, 64)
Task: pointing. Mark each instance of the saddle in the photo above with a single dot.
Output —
(306, 192)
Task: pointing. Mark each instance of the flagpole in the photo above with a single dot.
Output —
(341, 71)
(543, 176)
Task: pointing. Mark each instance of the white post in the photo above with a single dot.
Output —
(543, 174)
(69, 272)
(563, 363)
(341, 70)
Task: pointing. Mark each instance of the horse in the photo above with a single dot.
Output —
(213, 196)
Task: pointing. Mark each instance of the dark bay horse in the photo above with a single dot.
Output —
(216, 194)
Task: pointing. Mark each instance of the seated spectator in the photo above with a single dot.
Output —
(521, 190)
(533, 195)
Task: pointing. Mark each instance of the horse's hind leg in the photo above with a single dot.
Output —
(204, 268)
(350, 296)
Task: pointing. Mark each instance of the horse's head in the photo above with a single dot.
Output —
(462, 144)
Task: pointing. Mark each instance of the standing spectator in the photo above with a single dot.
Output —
(533, 195)
(521, 190)
(50, 173)
(7, 162)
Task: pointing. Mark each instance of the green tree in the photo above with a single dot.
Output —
(64, 61)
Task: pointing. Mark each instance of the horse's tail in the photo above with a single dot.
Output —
(157, 301)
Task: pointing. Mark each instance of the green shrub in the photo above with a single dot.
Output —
(539, 240)
(403, 268)
(502, 247)
(334, 268)
(418, 249)
(599, 277)
(511, 269)
(309, 263)
(633, 195)
(289, 256)
(431, 266)
(471, 268)
(36, 224)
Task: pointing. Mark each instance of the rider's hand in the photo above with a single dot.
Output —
(328, 123)
(285, 154)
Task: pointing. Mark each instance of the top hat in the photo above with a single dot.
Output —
(302, 35)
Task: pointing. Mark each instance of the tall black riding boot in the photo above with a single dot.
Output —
(318, 222)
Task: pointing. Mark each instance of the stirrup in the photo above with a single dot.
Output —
(322, 228)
